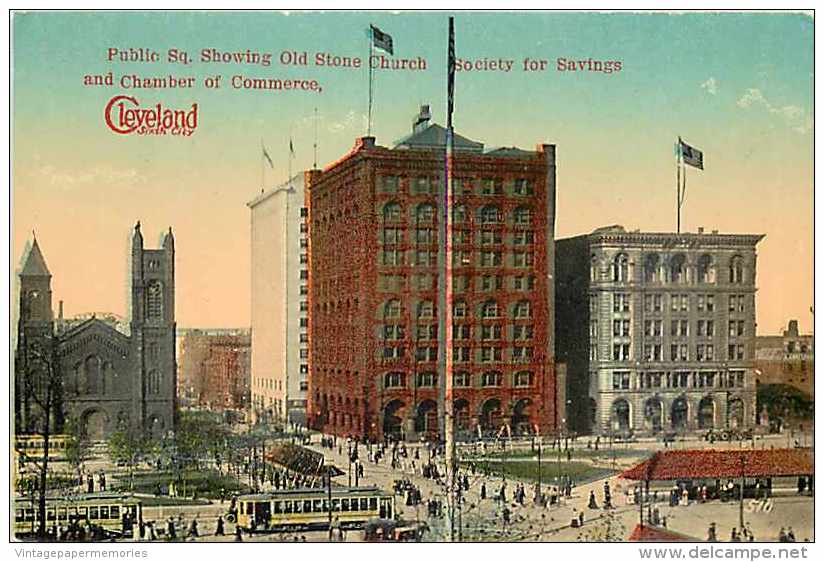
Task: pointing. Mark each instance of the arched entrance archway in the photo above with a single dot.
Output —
(461, 413)
(426, 419)
(654, 414)
(521, 417)
(490, 419)
(94, 425)
(620, 415)
(706, 413)
(735, 413)
(680, 413)
(392, 419)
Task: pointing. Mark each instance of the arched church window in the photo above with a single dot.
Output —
(153, 380)
(154, 300)
(91, 369)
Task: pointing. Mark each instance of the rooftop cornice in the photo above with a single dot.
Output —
(672, 239)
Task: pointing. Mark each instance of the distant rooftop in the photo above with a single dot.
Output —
(431, 136)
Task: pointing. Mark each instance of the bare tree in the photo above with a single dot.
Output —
(43, 388)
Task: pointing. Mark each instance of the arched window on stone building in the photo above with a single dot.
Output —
(620, 268)
(154, 300)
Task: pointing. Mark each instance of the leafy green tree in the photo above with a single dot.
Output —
(129, 446)
(78, 447)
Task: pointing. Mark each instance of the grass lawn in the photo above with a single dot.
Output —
(202, 484)
(528, 470)
(549, 453)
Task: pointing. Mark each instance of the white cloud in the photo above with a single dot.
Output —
(796, 117)
(104, 174)
(752, 96)
(352, 119)
(710, 85)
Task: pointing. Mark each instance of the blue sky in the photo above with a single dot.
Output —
(737, 86)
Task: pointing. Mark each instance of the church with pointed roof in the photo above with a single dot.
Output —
(91, 371)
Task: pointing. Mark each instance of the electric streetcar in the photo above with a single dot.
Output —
(310, 508)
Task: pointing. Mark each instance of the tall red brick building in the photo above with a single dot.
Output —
(373, 294)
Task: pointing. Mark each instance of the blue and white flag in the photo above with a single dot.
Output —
(381, 40)
(690, 156)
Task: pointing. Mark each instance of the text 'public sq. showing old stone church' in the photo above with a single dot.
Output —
(104, 376)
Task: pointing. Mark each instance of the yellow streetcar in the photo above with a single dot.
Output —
(310, 509)
(116, 514)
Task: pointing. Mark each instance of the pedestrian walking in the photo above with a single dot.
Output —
(790, 534)
(592, 503)
(219, 531)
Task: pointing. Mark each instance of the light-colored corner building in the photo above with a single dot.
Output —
(280, 341)
(658, 329)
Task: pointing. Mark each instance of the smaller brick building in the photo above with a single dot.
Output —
(786, 359)
(215, 368)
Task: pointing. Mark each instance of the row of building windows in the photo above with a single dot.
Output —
(429, 258)
(462, 379)
(654, 303)
(622, 380)
(426, 213)
(426, 185)
(488, 332)
(460, 354)
(678, 328)
(393, 235)
(622, 351)
(460, 283)
(675, 270)
(489, 309)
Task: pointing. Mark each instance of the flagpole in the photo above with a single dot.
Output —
(315, 162)
(678, 185)
(262, 169)
(445, 295)
(369, 64)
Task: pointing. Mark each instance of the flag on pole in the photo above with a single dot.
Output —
(268, 158)
(381, 40)
(291, 148)
(690, 155)
(451, 68)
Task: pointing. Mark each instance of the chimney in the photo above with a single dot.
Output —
(60, 311)
(793, 328)
(700, 230)
(715, 232)
(421, 119)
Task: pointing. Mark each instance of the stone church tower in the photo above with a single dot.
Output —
(35, 345)
(153, 333)
(108, 379)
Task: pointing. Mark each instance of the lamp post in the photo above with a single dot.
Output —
(538, 491)
(741, 495)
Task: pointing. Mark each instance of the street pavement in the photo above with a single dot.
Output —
(482, 520)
